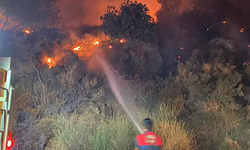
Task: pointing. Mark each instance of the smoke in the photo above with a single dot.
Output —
(88, 12)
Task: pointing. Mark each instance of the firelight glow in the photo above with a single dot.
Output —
(122, 40)
(27, 31)
(50, 63)
(96, 43)
(77, 48)
(242, 30)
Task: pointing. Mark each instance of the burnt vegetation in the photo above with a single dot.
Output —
(189, 68)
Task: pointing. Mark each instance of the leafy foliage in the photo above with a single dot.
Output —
(130, 22)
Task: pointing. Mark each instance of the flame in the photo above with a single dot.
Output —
(96, 43)
(224, 22)
(110, 46)
(181, 48)
(77, 48)
(49, 62)
(82, 48)
(122, 40)
(242, 30)
(26, 31)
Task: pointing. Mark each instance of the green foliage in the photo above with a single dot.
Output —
(138, 59)
(130, 22)
(214, 82)
(72, 133)
(116, 134)
(212, 127)
(32, 13)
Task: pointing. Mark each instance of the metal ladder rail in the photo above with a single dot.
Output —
(6, 101)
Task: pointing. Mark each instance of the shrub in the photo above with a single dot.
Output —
(82, 132)
(120, 133)
(116, 134)
(73, 132)
(212, 127)
(174, 134)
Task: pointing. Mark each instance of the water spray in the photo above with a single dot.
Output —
(115, 88)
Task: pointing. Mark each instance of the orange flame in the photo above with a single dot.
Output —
(82, 48)
(122, 40)
(110, 46)
(96, 43)
(77, 48)
(26, 31)
(49, 62)
(224, 22)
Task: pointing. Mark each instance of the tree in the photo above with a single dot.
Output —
(31, 13)
(130, 22)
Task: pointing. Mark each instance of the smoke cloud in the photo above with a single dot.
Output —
(88, 12)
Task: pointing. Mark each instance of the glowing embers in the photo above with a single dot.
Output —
(242, 30)
(27, 31)
(245, 64)
(97, 43)
(224, 22)
(77, 48)
(110, 46)
(122, 40)
(49, 62)
(82, 48)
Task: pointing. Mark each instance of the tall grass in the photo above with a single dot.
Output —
(118, 134)
(79, 132)
(175, 134)
(73, 132)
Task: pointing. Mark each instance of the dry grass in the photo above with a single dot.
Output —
(174, 134)
(233, 144)
(117, 134)
(68, 78)
(73, 132)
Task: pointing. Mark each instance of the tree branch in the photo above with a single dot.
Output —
(5, 23)
(42, 83)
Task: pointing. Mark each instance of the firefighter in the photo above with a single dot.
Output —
(148, 140)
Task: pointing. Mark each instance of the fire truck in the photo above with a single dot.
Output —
(5, 103)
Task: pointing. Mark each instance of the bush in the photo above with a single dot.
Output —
(73, 132)
(116, 134)
(83, 132)
(213, 127)
(120, 133)
(174, 134)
